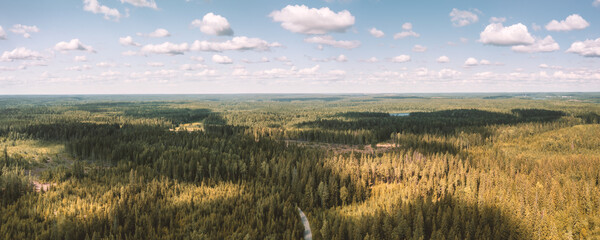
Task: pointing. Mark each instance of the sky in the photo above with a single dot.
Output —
(318, 46)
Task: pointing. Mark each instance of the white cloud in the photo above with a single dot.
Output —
(341, 58)
(79, 68)
(74, 44)
(105, 64)
(192, 67)
(24, 30)
(497, 34)
(309, 71)
(536, 27)
(471, 62)
(371, 60)
(237, 43)
(587, 48)
(448, 73)
(158, 33)
(301, 19)
(419, 48)
(204, 73)
(408, 32)
(95, 7)
(443, 59)
(573, 22)
(328, 40)
(462, 18)
(2, 33)
(155, 64)
(213, 25)
(240, 72)
(141, 3)
(20, 53)
(125, 41)
(401, 59)
(337, 72)
(497, 19)
(484, 62)
(540, 45)
(221, 59)
(376, 33)
(166, 48)
(80, 59)
(596, 3)
(283, 59)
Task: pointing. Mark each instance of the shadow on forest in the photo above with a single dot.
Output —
(423, 218)
(446, 122)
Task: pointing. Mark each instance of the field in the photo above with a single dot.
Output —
(387, 166)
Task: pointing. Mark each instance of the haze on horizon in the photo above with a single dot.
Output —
(325, 46)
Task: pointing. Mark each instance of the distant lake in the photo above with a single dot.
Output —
(399, 114)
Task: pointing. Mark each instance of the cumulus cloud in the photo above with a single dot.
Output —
(20, 53)
(213, 25)
(106, 64)
(192, 67)
(419, 48)
(329, 40)
(371, 60)
(74, 44)
(540, 45)
(443, 59)
(587, 48)
(141, 3)
(221, 59)
(128, 41)
(596, 3)
(341, 58)
(573, 22)
(471, 62)
(309, 71)
(448, 73)
(166, 48)
(497, 19)
(78, 68)
(401, 59)
(408, 32)
(24, 30)
(497, 34)
(2, 33)
(283, 59)
(376, 33)
(94, 7)
(158, 33)
(80, 59)
(301, 19)
(237, 43)
(461, 18)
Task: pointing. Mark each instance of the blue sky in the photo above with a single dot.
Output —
(335, 46)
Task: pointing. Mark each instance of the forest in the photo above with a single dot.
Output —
(381, 166)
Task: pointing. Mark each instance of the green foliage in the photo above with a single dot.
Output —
(458, 167)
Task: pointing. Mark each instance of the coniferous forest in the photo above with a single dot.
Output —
(424, 166)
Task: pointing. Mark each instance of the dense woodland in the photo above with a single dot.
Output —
(359, 166)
